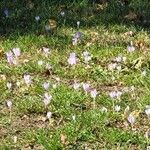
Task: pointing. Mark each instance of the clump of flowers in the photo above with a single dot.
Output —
(13, 55)
(120, 59)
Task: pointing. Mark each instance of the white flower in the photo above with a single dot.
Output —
(118, 68)
(118, 59)
(46, 85)
(76, 86)
(62, 13)
(18, 83)
(15, 139)
(54, 86)
(112, 66)
(27, 79)
(118, 94)
(40, 62)
(124, 59)
(78, 24)
(49, 115)
(47, 99)
(144, 73)
(74, 41)
(104, 110)
(86, 86)
(87, 56)
(115, 94)
(9, 104)
(6, 12)
(48, 66)
(146, 135)
(131, 119)
(46, 51)
(10, 58)
(147, 110)
(117, 108)
(112, 94)
(74, 118)
(72, 59)
(37, 18)
(130, 48)
(93, 93)
(47, 28)
(9, 85)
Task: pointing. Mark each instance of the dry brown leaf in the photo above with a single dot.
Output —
(63, 138)
(52, 23)
(140, 44)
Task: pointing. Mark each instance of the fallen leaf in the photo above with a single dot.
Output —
(63, 138)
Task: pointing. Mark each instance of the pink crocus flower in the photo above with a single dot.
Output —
(10, 58)
(86, 87)
(93, 93)
(16, 52)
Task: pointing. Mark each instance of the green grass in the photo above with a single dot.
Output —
(92, 128)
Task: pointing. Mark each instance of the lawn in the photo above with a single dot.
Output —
(73, 76)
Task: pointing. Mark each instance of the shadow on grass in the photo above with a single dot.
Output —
(18, 17)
